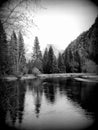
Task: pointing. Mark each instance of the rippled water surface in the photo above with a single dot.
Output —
(47, 104)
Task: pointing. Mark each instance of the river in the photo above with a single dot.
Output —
(48, 104)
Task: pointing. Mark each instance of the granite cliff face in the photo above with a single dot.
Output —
(82, 54)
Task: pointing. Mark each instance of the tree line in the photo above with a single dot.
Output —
(79, 56)
(46, 63)
(13, 60)
(12, 54)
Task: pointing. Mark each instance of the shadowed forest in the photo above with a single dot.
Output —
(80, 56)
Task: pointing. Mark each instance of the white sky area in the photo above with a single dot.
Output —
(60, 22)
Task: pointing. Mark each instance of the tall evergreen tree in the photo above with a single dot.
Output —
(17, 54)
(50, 60)
(3, 51)
(61, 65)
(45, 61)
(21, 65)
(55, 65)
(52, 64)
(13, 53)
(36, 50)
(37, 55)
(78, 60)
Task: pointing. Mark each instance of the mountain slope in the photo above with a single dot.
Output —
(81, 54)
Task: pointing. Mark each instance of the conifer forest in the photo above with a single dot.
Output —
(48, 64)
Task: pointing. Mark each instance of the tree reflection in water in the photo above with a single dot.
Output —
(12, 102)
(81, 93)
(36, 87)
(12, 96)
(50, 91)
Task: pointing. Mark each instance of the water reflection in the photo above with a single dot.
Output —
(21, 100)
(12, 101)
(36, 87)
(81, 93)
(50, 91)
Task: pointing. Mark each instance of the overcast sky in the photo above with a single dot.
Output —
(62, 21)
(58, 21)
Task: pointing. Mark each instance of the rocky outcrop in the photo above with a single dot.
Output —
(81, 55)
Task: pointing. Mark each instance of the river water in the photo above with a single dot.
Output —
(49, 104)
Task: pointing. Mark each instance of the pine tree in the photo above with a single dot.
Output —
(37, 55)
(52, 63)
(78, 61)
(17, 54)
(50, 60)
(45, 61)
(3, 52)
(13, 53)
(36, 50)
(55, 65)
(68, 58)
(61, 65)
(21, 65)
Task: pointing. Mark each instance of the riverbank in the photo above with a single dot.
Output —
(24, 77)
(77, 76)
(86, 77)
(73, 75)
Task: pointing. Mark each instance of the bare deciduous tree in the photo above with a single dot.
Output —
(14, 14)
